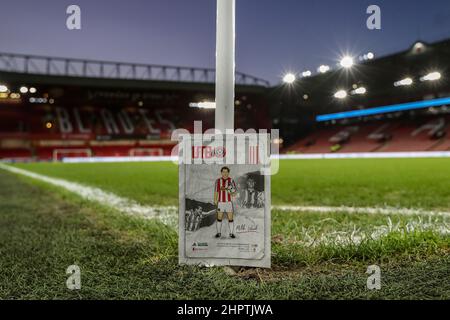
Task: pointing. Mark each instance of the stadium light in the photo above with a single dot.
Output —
(418, 47)
(23, 89)
(277, 141)
(404, 82)
(33, 90)
(14, 95)
(306, 73)
(360, 90)
(323, 68)
(367, 56)
(3, 88)
(203, 105)
(433, 76)
(37, 100)
(341, 94)
(347, 62)
(289, 78)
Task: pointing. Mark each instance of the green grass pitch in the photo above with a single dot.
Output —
(44, 229)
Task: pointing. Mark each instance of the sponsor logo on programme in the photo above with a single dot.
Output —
(208, 152)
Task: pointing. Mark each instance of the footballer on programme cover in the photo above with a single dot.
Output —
(224, 191)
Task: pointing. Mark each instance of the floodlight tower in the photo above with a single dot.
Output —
(225, 64)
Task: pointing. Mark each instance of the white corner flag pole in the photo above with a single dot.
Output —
(225, 64)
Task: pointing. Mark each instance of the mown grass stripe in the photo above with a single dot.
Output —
(168, 214)
(165, 214)
(367, 210)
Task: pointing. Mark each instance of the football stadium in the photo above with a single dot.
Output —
(88, 177)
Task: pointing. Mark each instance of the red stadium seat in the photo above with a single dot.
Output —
(427, 134)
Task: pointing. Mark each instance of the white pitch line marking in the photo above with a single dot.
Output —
(168, 214)
(367, 210)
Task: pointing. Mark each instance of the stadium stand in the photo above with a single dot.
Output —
(403, 105)
(51, 108)
(427, 133)
(45, 116)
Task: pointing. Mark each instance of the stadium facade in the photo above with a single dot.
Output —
(397, 103)
(54, 107)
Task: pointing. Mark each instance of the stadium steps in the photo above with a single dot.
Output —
(436, 144)
(15, 153)
(359, 141)
(403, 140)
(380, 146)
(444, 145)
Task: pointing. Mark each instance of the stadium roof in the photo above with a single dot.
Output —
(331, 92)
(47, 70)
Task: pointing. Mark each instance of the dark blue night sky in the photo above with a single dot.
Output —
(272, 35)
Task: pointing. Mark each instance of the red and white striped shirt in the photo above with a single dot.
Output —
(224, 195)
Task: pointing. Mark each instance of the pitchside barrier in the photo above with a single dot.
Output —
(368, 155)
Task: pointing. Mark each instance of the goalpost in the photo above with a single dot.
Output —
(59, 152)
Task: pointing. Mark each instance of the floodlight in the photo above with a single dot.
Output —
(347, 62)
(306, 73)
(404, 82)
(432, 76)
(289, 78)
(341, 94)
(360, 90)
(323, 68)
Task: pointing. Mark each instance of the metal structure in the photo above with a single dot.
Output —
(225, 64)
(68, 67)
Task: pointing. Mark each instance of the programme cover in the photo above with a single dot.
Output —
(224, 216)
